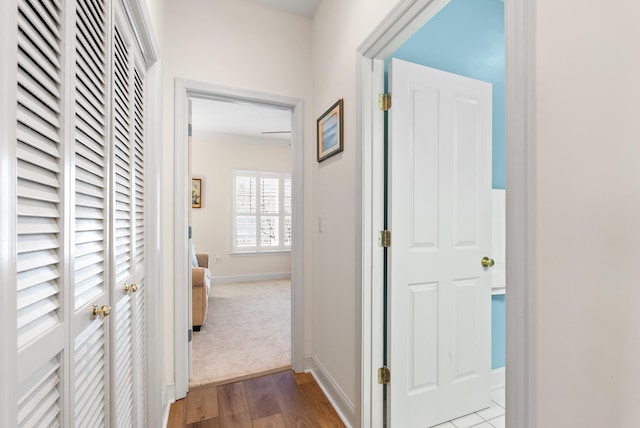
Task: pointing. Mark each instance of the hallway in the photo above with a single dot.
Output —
(279, 400)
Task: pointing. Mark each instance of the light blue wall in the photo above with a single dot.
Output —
(498, 333)
(467, 38)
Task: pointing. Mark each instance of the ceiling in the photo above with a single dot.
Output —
(250, 120)
(306, 8)
(246, 119)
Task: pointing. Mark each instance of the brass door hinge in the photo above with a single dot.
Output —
(384, 238)
(384, 102)
(384, 375)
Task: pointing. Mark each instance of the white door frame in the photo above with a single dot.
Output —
(184, 89)
(406, 18)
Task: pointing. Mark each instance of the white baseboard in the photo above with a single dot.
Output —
(165, 414)
(498, 378)
(338, 399)
(249, 278)
(169, 398)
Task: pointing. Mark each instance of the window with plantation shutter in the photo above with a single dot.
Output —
(262, 211)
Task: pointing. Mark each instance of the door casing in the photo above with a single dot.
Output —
(184, 89)
(405, 18)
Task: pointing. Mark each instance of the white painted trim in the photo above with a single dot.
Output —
(261, 253)
(169, 397)
(247, 139)
(183, 90)
(156, 391)
(171, 392)
(336, 396)
(402, 21)
(140, 19)
(520, 21)
(181, 261)
(250, 278)
(370, 276)
(8, 174)
(498, 378)
(166, 410)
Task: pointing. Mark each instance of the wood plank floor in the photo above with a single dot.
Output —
(279, 400)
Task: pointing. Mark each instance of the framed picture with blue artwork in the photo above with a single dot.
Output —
(330, 135)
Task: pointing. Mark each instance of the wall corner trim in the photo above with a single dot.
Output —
(338, 399)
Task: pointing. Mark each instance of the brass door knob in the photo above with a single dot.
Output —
(487, 262)
(102, 311)
(131, 287)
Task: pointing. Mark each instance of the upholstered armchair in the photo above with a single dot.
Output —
(201, 286)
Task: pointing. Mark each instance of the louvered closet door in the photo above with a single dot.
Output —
(62, 178)
(90, 234)
(40, 205)
(129, 368)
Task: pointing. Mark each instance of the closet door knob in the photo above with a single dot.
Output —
(102, 311)
(131, 287)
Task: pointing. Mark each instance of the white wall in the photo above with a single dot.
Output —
(239, 44)
(213, 159)
(588, 193)
(339, 27)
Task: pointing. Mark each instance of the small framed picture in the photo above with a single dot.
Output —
(330, 134)
(196, 193)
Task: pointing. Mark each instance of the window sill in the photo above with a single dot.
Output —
(260, 253)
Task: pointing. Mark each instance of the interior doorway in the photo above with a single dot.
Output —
(240, 218)
(400, 24)
(457, 171)
(186, 90)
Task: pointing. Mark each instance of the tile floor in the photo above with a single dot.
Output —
(493, 417)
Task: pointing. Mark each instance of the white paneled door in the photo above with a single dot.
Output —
(81, 351)
(440, 218)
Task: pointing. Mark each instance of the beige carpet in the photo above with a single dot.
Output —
(247, 332)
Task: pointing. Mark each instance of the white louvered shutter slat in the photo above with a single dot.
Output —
(28, 225)
(49, 99)
(40, 79)
(33, 58)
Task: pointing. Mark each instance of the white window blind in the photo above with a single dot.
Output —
(262, 211)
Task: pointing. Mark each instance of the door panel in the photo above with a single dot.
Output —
(39, 223)
(90, 264)
(129, 369)
(440, 206)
